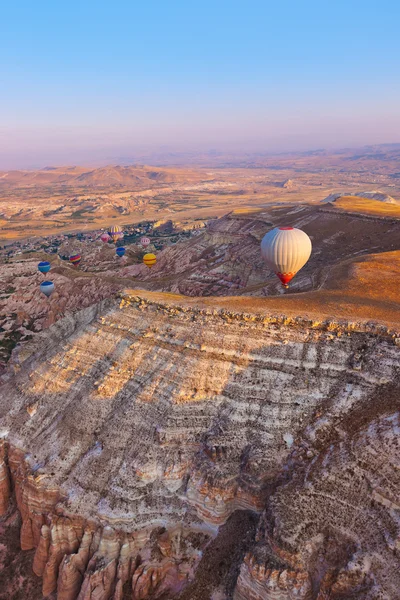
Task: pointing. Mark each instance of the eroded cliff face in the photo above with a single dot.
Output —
(134, 429)
(25, 310)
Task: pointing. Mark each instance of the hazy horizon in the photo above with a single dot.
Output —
(169, 157)
(86, 84)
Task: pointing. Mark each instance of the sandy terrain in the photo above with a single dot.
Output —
(60, 199)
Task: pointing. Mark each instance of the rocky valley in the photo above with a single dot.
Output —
(199, 300)
(194, 431)
(58, 199)
(353, 254)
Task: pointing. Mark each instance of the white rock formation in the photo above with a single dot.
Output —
(374, 195)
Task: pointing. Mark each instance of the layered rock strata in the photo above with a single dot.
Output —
(134, 429)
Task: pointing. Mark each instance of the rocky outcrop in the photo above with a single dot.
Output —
(334, 518)
(25, 311)
(264, 577)
(163, 227)
(288, 184)
(4, 480)
(341, 505)
(134, 429)
(380, 196)
(88, 560)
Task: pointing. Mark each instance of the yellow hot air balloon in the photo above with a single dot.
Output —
(149, 259)
(116, 233)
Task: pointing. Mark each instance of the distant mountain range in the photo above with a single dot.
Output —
(226, 158)
(108, 176)
(133, 168)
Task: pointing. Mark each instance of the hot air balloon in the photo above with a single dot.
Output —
(145, 241)
(44, 266)
(104, 237)
(116, 233)
(286, 250)
(47, 287)
(75, 259)
(120, 251)
(149, 259)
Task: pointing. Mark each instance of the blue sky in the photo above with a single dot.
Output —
(84, 81)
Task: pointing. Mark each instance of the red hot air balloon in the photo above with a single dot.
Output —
(145, 241)
(286, 250)
(105, 237)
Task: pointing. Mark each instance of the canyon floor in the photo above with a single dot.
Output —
(195, 432)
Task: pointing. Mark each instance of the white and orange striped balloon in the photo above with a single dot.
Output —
(286, 250)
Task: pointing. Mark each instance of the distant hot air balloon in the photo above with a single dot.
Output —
(44, 266)
(104, 237)
(286, 250)
(116, 233)
(120, 251)
(75, 259)
(47, 287)
(145, 241)
(149, 260)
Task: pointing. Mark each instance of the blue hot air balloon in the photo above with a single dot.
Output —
(120, 251)
(47, 287)
(44, 266)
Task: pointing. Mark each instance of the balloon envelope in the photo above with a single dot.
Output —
(120, 251)
(149, 259)
(145, 241)
(44, 266)
(47, 287)
(75, 259)
(116, 233)
(104, 237)
(286, 250)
